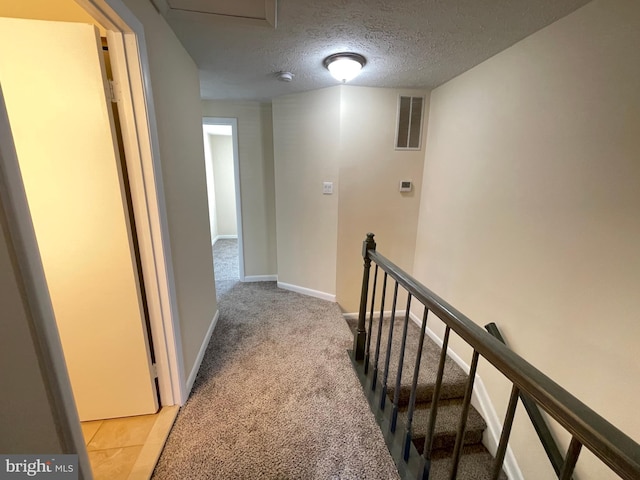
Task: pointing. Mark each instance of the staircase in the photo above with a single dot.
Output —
(476, 462)
(423, 409)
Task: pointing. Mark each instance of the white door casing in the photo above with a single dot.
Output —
(233, 123)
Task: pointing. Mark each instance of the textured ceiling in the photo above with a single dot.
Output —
(408, 43)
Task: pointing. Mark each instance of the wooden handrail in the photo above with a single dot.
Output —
(613, 447)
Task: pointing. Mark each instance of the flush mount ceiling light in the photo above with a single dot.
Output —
(344, 66)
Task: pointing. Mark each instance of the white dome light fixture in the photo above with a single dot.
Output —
(344, 66)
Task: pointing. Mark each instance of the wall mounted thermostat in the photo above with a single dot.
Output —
(406, 186)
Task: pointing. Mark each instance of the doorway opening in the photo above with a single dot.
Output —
(125, 34)
(225, 211)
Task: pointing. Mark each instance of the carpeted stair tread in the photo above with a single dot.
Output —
(454, 379)
(447, 420)
(476, 463)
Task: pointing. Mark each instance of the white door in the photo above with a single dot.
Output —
(53, 79)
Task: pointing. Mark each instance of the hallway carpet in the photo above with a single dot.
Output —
(225, 265)
(276, 397)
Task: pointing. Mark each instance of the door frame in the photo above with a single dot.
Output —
(233, 123)
(131, 67)
(130, 64)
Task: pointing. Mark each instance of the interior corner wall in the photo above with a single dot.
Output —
(529, 213)
(306, 137)
(176, 94)
(221, 147)
(346, 135)
(257, 190)
(370, 173)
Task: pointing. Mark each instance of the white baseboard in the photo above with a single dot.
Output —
(307, 291)
(203, 349)
(482, 402)
(223, 237)
(261, 278)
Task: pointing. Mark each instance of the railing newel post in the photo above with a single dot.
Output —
(367, 354)
(361, 334)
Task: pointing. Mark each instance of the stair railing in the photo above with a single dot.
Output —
(615, 449)
(539, 424)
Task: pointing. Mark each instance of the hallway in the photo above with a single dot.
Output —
(276, 397)
(225, 265)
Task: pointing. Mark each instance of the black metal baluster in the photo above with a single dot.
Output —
(414, 387)
(538, 421)
(433, 411)
(383, 397)
(506, 431)
(396, 393)
(373, 301)
(571, 459)
(374, 378)
(457, 450)
(360, 337)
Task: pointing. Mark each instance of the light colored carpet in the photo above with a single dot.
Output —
(276, 397)
(225, 265)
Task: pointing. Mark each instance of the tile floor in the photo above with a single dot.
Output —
(127, 448)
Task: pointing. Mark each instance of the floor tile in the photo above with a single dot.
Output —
(113, 463)
(122, 432)
(89, 429)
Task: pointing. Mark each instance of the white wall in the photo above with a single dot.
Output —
(176, 93)
(306, 140)
(221, 148)
(529, 211)
(257, 190)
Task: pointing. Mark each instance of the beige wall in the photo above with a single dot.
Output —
(370, 173)
(306, 140)
(211, 188)
(56, 10)
(255, 152)
(222, 159)
(175, 83)
(343, 134)
(529, 213)
(23, 385)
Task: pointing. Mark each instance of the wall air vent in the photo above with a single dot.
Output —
(409, 131)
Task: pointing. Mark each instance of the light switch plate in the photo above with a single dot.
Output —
(327, 188)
